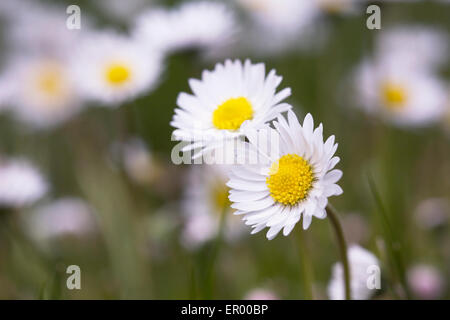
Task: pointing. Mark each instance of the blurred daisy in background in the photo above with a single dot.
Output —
(360, 260)
(416, 46)
(225, 98)
(261, 294)
(402, 95)
(37, 28)
(294, 182)
(62, 217)
(21, 184)
(202, 25)
(400, 82)
(426, 282)
(40, 90)
(205, 201)
(284, 22)
(111, 68)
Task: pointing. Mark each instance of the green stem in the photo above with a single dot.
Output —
(332, 214)
(215, 252)
(306, 267)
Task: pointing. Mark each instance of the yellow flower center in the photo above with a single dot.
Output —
(394, 96)
(49, 82)
(220, 198)
(232, 113)
(117, 74)
(290, 179)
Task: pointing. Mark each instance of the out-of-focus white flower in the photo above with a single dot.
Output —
(21, 184)
(286, 23)
(66, 216)
(205, 200)
(432, 212)
(402, 95)
(225, 98)
(359, 262)
(261, 294)
(41, 29)
(39, 90)
(426, 282)
(295, 181)
(197, 25)
(137, 160)
(111, 68)
(414, 46)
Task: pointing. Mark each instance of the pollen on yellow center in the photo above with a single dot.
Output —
(117, 74)
(232, 113)
(394, 95)
(290, 179)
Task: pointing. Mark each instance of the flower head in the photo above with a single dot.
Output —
(20, 184)
(111, 68)
(205, 201)
(197, 25)
(40, 90)
(225, 98)
(296, 180)
(360, 261)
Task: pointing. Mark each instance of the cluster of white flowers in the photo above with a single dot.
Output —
(237, 101)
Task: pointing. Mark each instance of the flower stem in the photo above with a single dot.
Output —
(332, 214)
(306, 268)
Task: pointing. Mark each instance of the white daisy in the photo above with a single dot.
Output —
(20, 183)
(360, 263)
(40, 90)
(205, 200)
(415, 46)
(296, 180)
(403, 95)
(111, 68)
(36, 28)
(66, 216)
(285, 24)
(199, 24)
(223, 99)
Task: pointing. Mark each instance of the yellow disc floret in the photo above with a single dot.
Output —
(117, 74)
(290, 179)
(232, 113)
(394, 96)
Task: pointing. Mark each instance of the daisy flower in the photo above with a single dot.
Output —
(289, 24)
(205, 200)
(360, 261)
(417, 46)
(199, 25)
(40, 91)
(36, 28)
(405, 96)
(20, 183)
(225, 98)
(111, 68)
(295, 181)
(66, 216)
